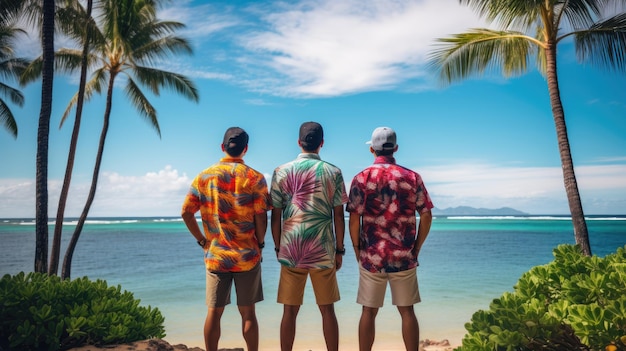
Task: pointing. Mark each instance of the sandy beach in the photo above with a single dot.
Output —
(163, 345)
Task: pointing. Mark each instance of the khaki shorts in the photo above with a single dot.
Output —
(372, 286)
(293, 280)
(248, 287)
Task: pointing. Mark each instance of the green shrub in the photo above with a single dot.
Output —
(575, 302)
(41, 312)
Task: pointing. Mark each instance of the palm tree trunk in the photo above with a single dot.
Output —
(43, 133)
(58, 227)
(69, 253)
(581, 234)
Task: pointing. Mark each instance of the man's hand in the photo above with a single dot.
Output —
(338, 261)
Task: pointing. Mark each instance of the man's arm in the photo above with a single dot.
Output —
(423, 229)
(260, 226)
(192, 224)
(354, 225)
(276, 226)
(340, 232)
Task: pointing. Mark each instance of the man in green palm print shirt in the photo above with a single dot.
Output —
(308, 229)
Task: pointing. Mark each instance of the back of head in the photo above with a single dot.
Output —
(235, 141)
(383, 141)
(311, 136)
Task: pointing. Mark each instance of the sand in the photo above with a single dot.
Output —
(162, 345)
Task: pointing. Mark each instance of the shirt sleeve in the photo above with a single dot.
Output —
(262, 199)
(276, 197)
(355, 198)
(340, 197)
(192, 203)
(423, 202)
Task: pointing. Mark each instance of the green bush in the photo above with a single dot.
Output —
(41, 312)
(575, 302)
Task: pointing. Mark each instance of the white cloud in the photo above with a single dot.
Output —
(536, 190)
(328, 48)
(316, 48)
(201, 21)
(152, 194)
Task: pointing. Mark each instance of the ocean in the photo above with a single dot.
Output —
(464, 264)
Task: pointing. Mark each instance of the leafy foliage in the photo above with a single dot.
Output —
(41, 312)
(576, 302)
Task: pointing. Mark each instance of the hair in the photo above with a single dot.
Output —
(310, 146)
(235, 151)
(387, 152)
(235, 141)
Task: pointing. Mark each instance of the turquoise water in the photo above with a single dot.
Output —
(464, 264)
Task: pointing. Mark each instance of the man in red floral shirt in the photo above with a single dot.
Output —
(383, 202)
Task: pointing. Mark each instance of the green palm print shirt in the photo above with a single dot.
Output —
(307, 189)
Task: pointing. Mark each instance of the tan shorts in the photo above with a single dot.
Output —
(293, 280)
(248, 287)
(372, 286)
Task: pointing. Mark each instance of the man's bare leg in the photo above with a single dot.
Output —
(330, 327)
(288, 327)
(367, 328)
(410, 328)
(212, 329)
(249, 327)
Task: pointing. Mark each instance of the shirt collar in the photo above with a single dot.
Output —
(385, 159)
(311, 155)
(232, 159)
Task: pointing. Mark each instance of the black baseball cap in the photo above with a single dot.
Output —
(311, 135)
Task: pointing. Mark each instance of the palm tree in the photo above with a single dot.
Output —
(132, 38)
(83, 32)
(34, 12)
(535, 28)
(43, 133)
(11, 67)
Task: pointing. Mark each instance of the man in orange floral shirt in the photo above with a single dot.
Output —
(233, 200)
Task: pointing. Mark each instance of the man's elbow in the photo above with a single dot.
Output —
(426, 216)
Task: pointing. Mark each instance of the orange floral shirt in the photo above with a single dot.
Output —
(228, 195)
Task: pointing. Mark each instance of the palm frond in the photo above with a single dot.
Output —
(141, 103)
(508, 14)
(582, 13)
(13, 68)
(76, 24)
(604, 43)
(159, 48)
(540, 57)
(13, 94)
(67, 60)
(154, 79)
(8, 35)
(32, 72)
(94, 85)
(161, 28)
(7, 119)
(465, 54)
(31, 12)
(11, 9)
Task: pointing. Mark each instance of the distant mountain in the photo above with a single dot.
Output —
(471, 211)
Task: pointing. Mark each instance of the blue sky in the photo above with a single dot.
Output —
(352, 65)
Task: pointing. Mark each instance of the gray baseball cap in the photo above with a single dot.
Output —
(383, 138)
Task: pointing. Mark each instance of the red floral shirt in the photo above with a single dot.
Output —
(388, 197)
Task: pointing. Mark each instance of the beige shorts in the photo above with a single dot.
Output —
(248, 287)
(293, 280)
(372, 286)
